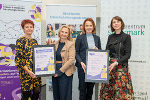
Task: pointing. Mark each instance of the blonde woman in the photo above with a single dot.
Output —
(65, 57)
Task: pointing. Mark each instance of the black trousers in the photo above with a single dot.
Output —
(86, 88)
(62, 87)
(25, 95)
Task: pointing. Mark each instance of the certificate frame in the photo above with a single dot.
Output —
(97, 67)
(44, 60)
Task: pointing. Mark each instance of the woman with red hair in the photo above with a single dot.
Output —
(24, 62)
(87, 40)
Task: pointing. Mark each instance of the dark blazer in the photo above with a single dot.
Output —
(81, 45)
(119, 46)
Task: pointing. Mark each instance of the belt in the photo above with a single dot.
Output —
(58, 62)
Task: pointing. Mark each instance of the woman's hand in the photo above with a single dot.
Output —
(56, 75)
(50, 41)
(32, 74)
(83, 66)
(29, 72)
(112, 66)
(95, 48)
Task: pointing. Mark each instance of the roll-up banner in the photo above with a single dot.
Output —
(11, 14)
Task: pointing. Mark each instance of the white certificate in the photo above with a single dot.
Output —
(97, 62)
(44, 60)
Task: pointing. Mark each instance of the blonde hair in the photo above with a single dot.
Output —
(69, 31)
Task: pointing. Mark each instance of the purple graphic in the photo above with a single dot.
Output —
(7, 54)
(36, 13)
(98, 76)
(0, 6)
(9, 83)
(16, 93)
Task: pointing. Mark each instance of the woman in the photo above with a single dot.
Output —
(88, 40)
(65, 57)
(119, 44)
(24, 62)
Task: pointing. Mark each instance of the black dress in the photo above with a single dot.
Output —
(58, 57)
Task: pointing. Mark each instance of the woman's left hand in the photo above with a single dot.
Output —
(32, 74)
(112, 66)
(56, 75)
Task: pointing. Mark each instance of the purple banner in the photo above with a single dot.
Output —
(10, 87)
(9, 75)
(9, 83)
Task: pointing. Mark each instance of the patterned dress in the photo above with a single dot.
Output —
(24, 57)
(120, 84)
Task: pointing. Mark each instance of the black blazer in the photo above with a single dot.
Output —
(81, 45)
(119, 46)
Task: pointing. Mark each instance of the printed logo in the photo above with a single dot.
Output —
(36, 13)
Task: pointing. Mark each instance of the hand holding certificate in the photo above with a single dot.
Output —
(44, 60)
(97, 66)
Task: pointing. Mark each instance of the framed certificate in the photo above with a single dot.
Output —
(44, 60)
(97, 62)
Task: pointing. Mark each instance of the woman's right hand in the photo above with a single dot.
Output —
(50, 41)
(83, 66)
(95, 48)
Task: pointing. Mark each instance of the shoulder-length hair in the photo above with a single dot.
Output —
(69, 31)
(94, 26)
(119, 19)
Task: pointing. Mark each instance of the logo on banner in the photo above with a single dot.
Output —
(138, 30)
(36, 13)
(0, 6)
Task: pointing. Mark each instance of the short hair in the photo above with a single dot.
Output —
(119, 19)
(26, 21)
(94, 26)
(69, 30)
